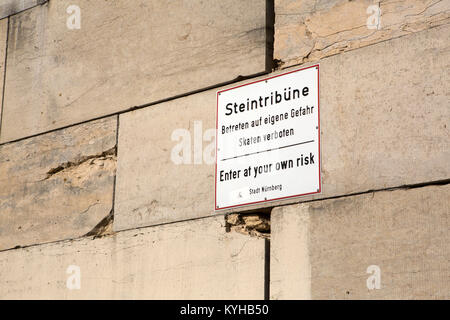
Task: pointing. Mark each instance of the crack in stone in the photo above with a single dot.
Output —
(71, 164)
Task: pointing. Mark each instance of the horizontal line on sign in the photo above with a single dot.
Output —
(249, 154)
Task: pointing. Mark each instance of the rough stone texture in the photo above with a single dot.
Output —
(127, 53)
(153, 189)
(308, 30)
(189, 260)
(9, 7)
(255, 225)
(321, 250)
(58, 185)
(3, 36)
(373, 134)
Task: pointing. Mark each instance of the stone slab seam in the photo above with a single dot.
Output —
(270, 34)
(266, 269)
(96, 236)
(115, 175)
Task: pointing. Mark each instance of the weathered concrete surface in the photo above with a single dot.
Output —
(127, 53)
(308, 30)
(384, 123)
(58, 185)
(189, 260)
(3, 36)
(321, 250)
(9, 7)
(152, 185)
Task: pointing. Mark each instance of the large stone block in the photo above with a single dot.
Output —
(58, 185)
(126, 54)
(308, 30)
(158, 180)
(384, 114)
(188, 260)
(323, 249)
(9, 7)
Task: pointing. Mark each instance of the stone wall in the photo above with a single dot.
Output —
(95, 180)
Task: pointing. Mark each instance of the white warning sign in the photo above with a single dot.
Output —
(268, 140)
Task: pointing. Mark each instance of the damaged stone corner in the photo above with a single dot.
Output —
(253, 224)
(103, 228)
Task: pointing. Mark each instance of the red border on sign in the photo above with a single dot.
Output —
(217, 131)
